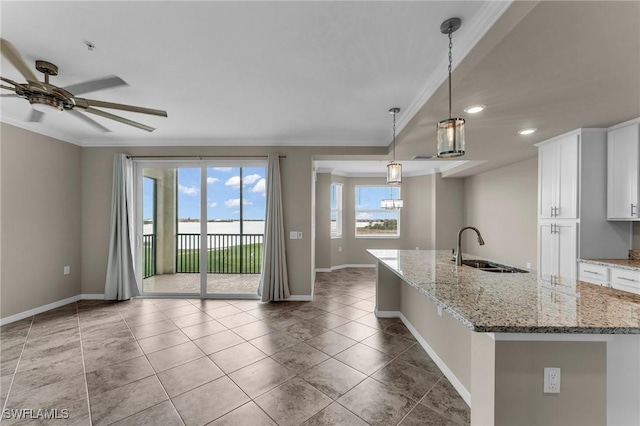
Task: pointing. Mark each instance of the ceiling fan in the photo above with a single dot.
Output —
(45, 97)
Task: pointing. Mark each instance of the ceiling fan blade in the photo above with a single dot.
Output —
(88, 120)
(93, 85)
(36, 116)
(117, 118)
(11, 53)
(122, 107)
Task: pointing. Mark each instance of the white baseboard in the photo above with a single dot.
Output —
(348, 265)
(464, 393)
(38, 310)
(48, 307)
(299, 298)
(92, 296)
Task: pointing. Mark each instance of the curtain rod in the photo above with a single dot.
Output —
(199, 157)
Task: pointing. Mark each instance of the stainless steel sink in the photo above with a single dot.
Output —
(485, 265)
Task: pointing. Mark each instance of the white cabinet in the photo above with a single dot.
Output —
(610, 276)
(557, 251)
(594, 274)
(558, 178)
(625, 280)
(572, 205)
(623, 161)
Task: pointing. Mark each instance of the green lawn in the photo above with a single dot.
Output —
(225, 260)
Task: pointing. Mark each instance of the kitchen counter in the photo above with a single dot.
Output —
(512, 302)
(632, 265)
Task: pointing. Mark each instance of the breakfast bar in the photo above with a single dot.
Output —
(493, 334)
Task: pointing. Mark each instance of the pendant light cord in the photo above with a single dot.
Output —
(450, 60)
(394, 137)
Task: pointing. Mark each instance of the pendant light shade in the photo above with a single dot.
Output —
(394, 173)
(451, 137)
(391, 204)
(450, 131)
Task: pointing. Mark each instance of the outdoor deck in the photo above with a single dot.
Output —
(190, 283)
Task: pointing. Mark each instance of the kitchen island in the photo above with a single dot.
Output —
(492, 334)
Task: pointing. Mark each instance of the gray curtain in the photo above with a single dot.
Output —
(121, 281)
(274, 284)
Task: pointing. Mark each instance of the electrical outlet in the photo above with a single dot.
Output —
(417, 248)
(551, 380)
(528, 265)
(299, 235)
(339, 249)
(439, 311)
(66, 270)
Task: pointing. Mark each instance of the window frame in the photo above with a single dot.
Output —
(378, 210)
(338, 210)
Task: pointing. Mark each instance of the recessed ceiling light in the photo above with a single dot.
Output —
(473, 109)
(527, 131)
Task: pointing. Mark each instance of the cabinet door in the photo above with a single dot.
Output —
(566, 251)
(547, 171)
(567, 192)
(546, 252)
(622, 173)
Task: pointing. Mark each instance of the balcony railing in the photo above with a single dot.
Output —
(226, 254)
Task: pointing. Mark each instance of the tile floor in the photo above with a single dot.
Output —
(215, 362)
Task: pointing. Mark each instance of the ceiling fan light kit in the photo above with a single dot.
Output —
(47, 98)
(450, 134)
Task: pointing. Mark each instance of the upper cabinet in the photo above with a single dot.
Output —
(558, 178)
(623, 164)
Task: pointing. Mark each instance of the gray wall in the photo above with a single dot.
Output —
(41, 213)
(449, 206)
(323, 221)
(416, 219)
(502, 204)
(297, 189)
(519, 382)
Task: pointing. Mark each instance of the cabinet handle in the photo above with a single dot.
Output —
(557, 211)
(627, 279)
(633, 206)
(593, 272)
(552, 210)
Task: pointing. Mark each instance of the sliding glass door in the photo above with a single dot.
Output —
(202, 226)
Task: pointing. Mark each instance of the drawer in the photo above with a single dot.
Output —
(626, 280)
(595, 274)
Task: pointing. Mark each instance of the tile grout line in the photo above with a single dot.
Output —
(84, 366)
(15, 372)
(420, 400)
(152, 368)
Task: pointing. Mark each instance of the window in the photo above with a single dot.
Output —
(336, 210)
(371, 220)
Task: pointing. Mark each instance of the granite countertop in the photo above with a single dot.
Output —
(513, 303)
(633, 265)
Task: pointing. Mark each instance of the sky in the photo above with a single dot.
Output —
(368, 198)
(223, 193)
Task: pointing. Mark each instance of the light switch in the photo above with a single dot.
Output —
(293, 235)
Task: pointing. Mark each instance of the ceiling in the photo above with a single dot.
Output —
(253, 73)
(354, 168)
(326, 73)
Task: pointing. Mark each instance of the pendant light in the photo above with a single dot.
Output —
(394, 172)
(394, 169)
(451, 130)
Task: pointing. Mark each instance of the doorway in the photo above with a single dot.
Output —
(201, 228)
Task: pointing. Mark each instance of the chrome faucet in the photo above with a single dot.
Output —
(457, 255)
